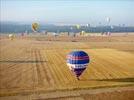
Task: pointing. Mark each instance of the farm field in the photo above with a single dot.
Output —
(35, 65)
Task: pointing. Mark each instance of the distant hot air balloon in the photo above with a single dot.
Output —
(88, 25)
(77, 61)
(35, 26)
(71, 28)
(112, 27)
(55, 34)
(78, 26)
(108, 19)
(83, 32)
(11, 36)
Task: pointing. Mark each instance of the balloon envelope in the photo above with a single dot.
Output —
(108, 19)
(83, 32)
(77, 62)
(78, 26)
(11, 36)
(35, 26)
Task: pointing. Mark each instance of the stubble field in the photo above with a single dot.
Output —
(34, 66)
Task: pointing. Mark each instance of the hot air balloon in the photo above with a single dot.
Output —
(112, 27)
(11, 36)
(71, 28)
(108, 19)
(77, 61)
(35, 26)
(88, 25)
(83, 33)
(78, 26)
(55, 34)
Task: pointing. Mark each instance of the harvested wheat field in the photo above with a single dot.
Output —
(35, 68)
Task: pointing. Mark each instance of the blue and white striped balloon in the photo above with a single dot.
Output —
(77, 62)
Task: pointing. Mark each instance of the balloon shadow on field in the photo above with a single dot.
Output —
(128, 79)
(22, 61)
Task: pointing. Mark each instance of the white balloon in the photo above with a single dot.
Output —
(10, 35)
(112, 27)
(108, 19)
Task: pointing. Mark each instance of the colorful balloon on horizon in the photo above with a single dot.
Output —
(35, 27)
(77, 61)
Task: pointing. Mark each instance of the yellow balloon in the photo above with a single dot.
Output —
(78, 26)
(35, 26)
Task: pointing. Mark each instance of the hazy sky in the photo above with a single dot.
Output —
(68, 11)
